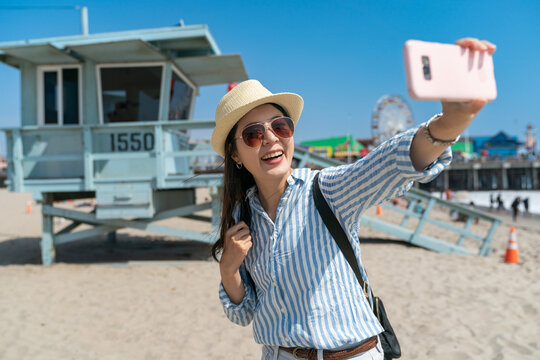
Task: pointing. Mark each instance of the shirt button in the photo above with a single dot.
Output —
(274, 283)
(283, 310)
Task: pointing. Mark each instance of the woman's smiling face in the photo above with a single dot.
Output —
(273, 157)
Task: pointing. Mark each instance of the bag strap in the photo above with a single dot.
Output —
(337, 232)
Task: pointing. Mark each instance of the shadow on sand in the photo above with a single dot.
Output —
(26, 251)
(383, 241)
(127, 248)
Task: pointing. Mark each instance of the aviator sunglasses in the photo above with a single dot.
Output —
(254, 133)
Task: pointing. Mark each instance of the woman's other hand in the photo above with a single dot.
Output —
(235, 248)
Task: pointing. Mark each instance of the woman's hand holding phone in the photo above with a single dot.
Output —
(468, 108)
(457, 115)
(458, 112)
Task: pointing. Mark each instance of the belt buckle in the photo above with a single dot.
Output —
(296, 356)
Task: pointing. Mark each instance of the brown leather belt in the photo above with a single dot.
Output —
(311, 354)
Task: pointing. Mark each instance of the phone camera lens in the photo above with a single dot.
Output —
(426, 68)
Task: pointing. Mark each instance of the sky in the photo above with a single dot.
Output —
(340, 56)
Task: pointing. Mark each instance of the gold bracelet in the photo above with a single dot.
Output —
(435, 141)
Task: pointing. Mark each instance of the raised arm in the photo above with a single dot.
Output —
(455, 118)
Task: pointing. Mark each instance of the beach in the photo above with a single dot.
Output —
(153, 297)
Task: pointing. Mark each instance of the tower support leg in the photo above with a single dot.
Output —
(48, 253)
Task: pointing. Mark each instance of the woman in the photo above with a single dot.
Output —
(280, 267)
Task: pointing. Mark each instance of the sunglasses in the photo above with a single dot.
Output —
(254, 133)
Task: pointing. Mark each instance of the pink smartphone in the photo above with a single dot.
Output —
(436, 71)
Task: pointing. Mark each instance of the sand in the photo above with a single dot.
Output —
(151, 297)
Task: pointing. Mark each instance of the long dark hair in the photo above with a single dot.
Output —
(236, 183)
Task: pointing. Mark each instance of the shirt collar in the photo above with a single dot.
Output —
(297, 177)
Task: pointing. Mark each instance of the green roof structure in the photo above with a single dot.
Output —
(464, 146)
(335, 146)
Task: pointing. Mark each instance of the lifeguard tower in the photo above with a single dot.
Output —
(108, 116)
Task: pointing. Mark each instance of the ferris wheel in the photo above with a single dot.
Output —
(391, 115)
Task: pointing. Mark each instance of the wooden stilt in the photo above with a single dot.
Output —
(48, 253)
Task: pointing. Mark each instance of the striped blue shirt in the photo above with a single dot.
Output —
(305, 293)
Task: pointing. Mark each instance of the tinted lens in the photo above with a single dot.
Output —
(253, 135)
(283, 127)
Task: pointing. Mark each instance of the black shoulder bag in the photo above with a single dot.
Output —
(389, 341)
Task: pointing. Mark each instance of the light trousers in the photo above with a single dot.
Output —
(274, 353)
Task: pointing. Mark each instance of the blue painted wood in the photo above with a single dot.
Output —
(415, 238)
(158, 153)
(18, 178)
(407, 235)
(467, 210)
(83, 234)
(69, 228)
(484, 249)
(181, 211)
(165, 89)
(48, 253)
(127, 201)
(88, 159)
(158, 229)
(174, 38)
(466, 228)
(51, 158)
(10, 163)
(90, 105)
(448, 226)
(458, 230)
(410, 209)
(216, 211)
(45, 54)
(53, 185)
(28, 94)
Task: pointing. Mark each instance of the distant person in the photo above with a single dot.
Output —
(473, 205)
(500, 203)
(448, 194)
(491, 202)
(526, 205)
(484, 155)
(515, 208)
(419, 208)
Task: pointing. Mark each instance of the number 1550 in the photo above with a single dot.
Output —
(132, 141)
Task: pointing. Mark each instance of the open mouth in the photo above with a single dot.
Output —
(272, 156)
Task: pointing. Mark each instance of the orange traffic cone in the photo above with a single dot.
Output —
(512, 254)
(28, 206)
(379, 210)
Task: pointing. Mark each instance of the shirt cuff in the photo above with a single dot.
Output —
(405, 165)
(226, 302)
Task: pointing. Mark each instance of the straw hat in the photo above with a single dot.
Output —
(240, 100)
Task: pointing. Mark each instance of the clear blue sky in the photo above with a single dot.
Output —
(341, 56)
